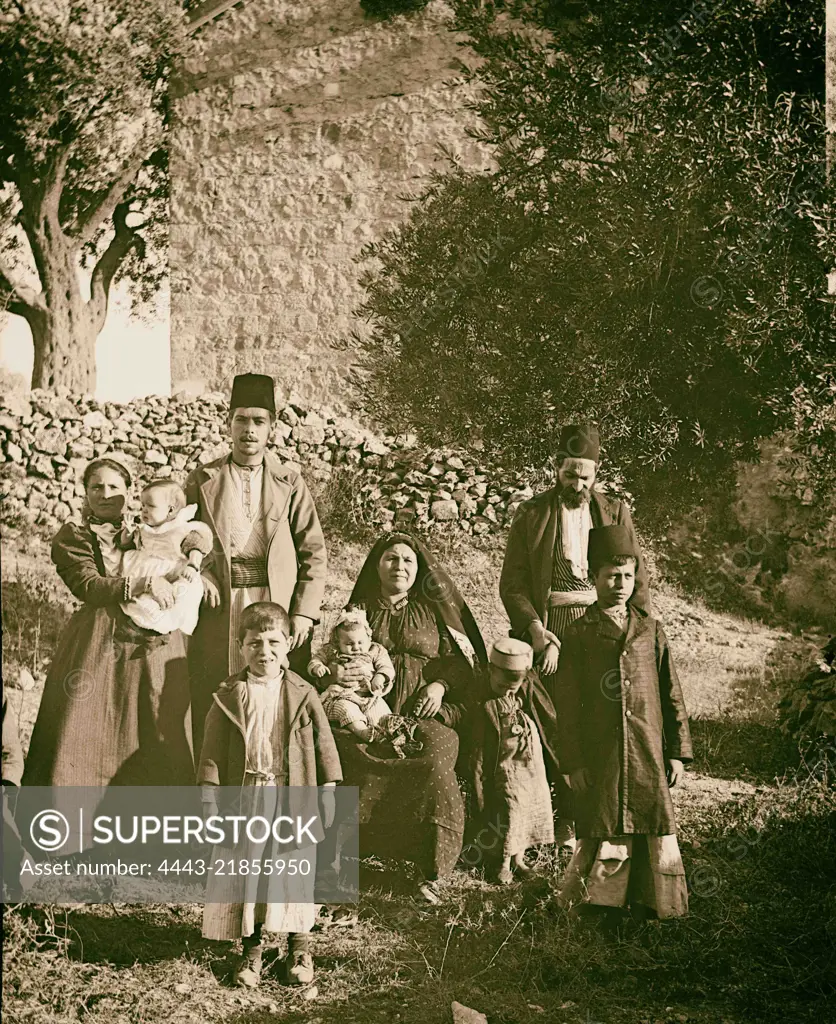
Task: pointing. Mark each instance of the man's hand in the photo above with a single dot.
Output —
(211, 594)
(551, 657)
(580, 780)
(674, 770)
(541, 637)
(300, 630)
(328, 805)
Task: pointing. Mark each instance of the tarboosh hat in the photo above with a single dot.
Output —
(607, 543)
(253, 391)
(580, 441)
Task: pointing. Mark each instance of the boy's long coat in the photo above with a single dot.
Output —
(526, 578)
(620, 715)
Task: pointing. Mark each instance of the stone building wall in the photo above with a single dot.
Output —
(297, 131)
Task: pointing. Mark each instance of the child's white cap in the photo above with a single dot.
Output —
(512, 655)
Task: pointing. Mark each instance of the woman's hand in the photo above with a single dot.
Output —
(162, 591)
(300, 629)
(428, 700)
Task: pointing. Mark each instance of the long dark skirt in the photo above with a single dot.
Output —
(115, 708)
(410, 809)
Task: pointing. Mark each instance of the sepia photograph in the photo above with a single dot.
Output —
(418, 511)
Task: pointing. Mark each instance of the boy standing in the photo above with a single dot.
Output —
(266, 728)
(623, 736)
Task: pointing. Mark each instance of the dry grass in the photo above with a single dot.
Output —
(757, 832)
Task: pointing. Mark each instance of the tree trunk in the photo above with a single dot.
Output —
(65, 331)
(64, 340)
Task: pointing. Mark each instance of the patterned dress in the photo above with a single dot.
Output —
(410, 809)
(520, 780)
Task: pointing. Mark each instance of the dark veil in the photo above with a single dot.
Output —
(432, 585)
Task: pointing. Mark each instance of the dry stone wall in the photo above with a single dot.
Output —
(47, 439)
(298, 130)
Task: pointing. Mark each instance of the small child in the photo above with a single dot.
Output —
(166, 543)
(266, 723)
(355, 703)
(622, 739)
(511, 726)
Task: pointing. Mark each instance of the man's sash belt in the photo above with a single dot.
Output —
(248, 572)
(572, 598)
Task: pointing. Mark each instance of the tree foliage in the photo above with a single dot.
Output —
(651, 250)
(83, 163)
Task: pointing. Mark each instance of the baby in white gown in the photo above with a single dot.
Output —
(166, 543)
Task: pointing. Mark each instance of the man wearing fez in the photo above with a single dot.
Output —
(268, 544)
(545, 583)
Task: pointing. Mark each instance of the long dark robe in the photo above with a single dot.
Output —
(116, 707)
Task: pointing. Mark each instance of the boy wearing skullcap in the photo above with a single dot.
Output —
(622, 738)
(510, 727)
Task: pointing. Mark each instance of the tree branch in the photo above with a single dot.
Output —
(19, 298)
(124, 239)
(89, 223)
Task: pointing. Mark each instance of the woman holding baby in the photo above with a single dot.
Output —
(116, 704)
(411, 808)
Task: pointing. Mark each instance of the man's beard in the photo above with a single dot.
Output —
(575, 499)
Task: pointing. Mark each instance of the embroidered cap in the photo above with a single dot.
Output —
(512, 655)
(608, 542)
(253, 391)
(580, 441)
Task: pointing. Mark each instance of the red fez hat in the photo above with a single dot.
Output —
(253, 391)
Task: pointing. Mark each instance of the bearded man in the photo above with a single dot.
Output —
(545, 582)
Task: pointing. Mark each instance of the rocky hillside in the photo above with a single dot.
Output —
(47, 439)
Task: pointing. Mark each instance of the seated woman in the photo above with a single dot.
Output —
(116, 705)
(411, 808)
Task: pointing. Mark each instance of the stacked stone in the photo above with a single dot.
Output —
(46, 440)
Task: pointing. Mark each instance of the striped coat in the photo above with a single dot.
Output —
(526, 578)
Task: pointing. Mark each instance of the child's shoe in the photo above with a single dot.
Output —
(300, 969)
(505, 876)
(248, 972)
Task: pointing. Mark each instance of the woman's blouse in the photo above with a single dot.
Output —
(410, 633)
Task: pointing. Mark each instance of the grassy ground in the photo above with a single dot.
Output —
(756, 830)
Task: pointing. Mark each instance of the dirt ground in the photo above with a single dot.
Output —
(756, 830)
